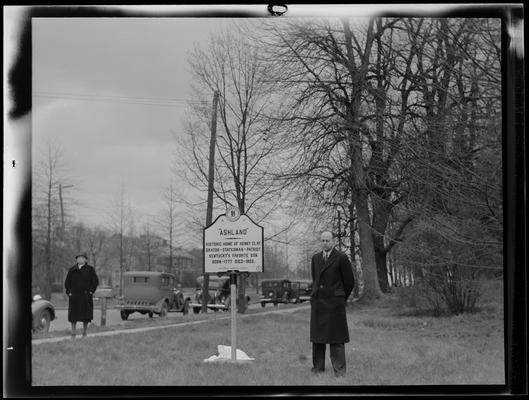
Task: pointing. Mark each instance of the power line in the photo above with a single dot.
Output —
(155, 101)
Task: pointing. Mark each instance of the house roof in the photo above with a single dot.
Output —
(177, 252)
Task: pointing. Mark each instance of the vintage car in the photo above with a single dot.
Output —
(277, 291)
(302, 290)
(43, 312)
(219, 297)
(149, 292)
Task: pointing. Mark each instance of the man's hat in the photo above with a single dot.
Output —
(81, 255)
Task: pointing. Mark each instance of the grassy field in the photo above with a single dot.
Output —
(390, 345)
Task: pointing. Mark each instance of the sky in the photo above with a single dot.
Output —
(111, 93)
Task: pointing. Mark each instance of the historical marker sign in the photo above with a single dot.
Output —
(233, 244)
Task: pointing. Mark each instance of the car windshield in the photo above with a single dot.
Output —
(140, 279)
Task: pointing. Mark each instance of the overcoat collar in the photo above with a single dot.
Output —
(76, 267)
(329, 260)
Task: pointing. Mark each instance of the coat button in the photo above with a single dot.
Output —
(321, 286)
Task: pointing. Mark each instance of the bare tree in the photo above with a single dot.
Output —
(455, 166)
(49, 174)
(169, 220)
(370, 97)
(325, 65)
(244, 147)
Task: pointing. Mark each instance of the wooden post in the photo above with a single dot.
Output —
(233, 294)
(103, 311)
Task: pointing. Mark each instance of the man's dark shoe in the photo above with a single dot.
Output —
(317, 371)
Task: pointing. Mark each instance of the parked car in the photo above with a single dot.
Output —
(149, 292)
(277, 291)
(302, 289)
(43, 312)
(219, 296)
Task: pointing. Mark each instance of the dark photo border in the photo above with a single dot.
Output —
(17, 319)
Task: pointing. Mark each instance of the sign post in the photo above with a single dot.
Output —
(233, 244)
(233, 295)
(103, 311)
(103, 294)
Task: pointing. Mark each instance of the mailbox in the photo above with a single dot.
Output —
(103, 293)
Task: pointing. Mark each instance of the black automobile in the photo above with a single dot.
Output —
(303, 289)
(277, 291)
(150, 292)
(43, 312)
(219, 296)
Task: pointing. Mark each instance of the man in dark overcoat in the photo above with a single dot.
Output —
(332, 283)
(80, 284)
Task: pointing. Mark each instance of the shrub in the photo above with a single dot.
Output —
(450, 289)
(451, 256)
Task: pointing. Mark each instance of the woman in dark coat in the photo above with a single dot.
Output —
(80, 284)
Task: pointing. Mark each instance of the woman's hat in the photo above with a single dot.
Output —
(81, 255)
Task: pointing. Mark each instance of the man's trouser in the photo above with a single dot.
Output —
(337, 351)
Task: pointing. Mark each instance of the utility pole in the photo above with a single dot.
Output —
(171, 225)
(62, 208)
(47, 290)
(211, 176)
(121, 255)
(286, 251)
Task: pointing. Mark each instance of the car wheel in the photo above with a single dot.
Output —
(124, 315)
(263, 304)
(163, 311)
(151, 314)
(179, 302)
(43, 324)
(196, 310)
(185, 309)
(275, 303)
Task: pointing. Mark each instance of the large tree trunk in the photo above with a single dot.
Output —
(352, 230)
(371, 285)
(382, 269)
(381, 211)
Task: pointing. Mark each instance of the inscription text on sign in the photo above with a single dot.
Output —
(233, 245)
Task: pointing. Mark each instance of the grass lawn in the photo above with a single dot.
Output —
(389, 346)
